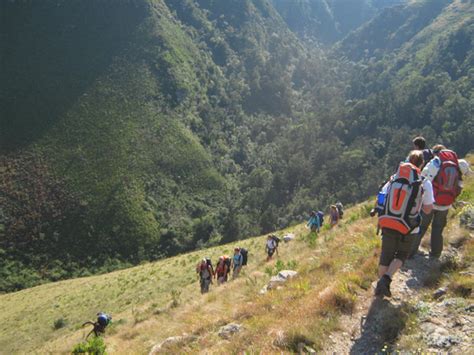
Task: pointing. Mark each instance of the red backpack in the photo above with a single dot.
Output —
(446, 182)
(402, 203)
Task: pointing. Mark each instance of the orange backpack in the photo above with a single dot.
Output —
(402, 205)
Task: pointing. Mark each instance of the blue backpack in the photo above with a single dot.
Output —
(103, 319)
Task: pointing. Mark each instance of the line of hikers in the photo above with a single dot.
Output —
(316, 219)
(224, 265)
(418, 195)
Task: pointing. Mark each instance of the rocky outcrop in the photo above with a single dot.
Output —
(171, 341)
(281, 278)
(228, 330)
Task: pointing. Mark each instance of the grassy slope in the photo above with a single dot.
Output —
(334, 270)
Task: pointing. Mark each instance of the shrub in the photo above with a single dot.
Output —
(175, 298)
(94, 346)
(59, 323)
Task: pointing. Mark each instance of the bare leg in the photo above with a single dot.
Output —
(382, 270)
(394, 266)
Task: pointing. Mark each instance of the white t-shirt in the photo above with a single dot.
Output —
(428, 197)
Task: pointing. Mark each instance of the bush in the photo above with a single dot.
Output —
(59, 323)
(94, 346)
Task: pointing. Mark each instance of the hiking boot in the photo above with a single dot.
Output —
(383, 286)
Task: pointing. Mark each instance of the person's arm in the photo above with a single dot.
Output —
(428, 197)
(427, 209)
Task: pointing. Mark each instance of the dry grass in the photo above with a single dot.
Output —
(140, 298)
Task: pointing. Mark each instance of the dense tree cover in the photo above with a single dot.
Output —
(163, 126)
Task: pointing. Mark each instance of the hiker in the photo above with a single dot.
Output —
(237, 262)
(340, 209)
(103, 320)
(419, 143)
(333, 215)
(206, 272)
(314, 222)
(406, 195)
(222, 269)
(271, 246)
(445, 174)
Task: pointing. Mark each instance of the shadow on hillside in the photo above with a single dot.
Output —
(382, 325)
(51, 53)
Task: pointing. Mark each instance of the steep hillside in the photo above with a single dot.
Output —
(101, 117)
(119, 126)
(330, 294)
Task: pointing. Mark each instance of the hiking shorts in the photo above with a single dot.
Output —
(394, 246)
(270, 252)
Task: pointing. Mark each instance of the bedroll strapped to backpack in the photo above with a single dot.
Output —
(275, 239)
(209, 264)
(244, 252)
(402, 203)
(445, 184)
(320, 215)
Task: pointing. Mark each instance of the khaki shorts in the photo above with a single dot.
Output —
(394, 246)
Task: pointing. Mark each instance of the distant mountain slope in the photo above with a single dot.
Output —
(413, 68)
(327, 21)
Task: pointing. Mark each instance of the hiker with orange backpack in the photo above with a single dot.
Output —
(445, 174)
(222, 269)
(399, 215)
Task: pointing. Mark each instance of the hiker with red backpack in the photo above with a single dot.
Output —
(222, 269)
(206, 272)
(404, 196)
(444, 173)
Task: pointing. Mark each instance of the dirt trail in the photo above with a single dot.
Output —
(444, 324)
